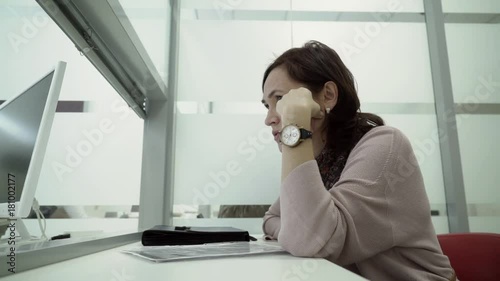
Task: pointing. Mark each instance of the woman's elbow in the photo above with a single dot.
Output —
(304, 251)
(311, 246)
(301, 248)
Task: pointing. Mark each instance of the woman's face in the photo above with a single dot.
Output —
(278, 84)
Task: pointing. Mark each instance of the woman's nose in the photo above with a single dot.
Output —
(272, 118)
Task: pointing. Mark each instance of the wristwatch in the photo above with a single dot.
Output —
(291, 135)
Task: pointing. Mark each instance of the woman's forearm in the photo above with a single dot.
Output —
(293, 157)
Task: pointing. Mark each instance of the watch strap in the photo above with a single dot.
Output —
(305, 134)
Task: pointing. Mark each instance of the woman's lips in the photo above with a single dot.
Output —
(277, 138)
(276, 135)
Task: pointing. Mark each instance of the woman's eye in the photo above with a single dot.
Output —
(278, 97)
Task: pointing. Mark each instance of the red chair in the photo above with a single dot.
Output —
(474, 256)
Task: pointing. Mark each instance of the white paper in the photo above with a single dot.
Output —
(174, 253)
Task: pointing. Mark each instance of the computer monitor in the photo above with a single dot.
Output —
(25, 124)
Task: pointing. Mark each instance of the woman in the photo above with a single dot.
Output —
(352, 191)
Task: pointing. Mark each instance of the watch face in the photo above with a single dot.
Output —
(290, 135)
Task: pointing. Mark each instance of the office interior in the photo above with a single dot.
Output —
(201, 155)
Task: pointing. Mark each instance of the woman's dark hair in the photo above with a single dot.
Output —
(314, 64)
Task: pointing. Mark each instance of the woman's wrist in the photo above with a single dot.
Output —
(296, 117)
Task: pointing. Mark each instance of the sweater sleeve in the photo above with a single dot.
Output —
(355, 219)
(272, 221)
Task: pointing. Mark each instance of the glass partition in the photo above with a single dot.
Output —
(231, 176)
(473, 46)
(90, 179)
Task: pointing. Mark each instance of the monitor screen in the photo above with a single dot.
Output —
(25, 123)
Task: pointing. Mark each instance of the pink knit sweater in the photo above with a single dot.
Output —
(375, 219)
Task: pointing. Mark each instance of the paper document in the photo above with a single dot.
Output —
(174, 253)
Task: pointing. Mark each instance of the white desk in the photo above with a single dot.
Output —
(113, 265)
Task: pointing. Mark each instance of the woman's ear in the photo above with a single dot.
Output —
(331, 94)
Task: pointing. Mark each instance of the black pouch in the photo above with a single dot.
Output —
(162, 235)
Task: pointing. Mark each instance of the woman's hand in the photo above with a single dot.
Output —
(298, 107)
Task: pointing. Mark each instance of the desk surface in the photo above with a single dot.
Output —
(113, 265)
